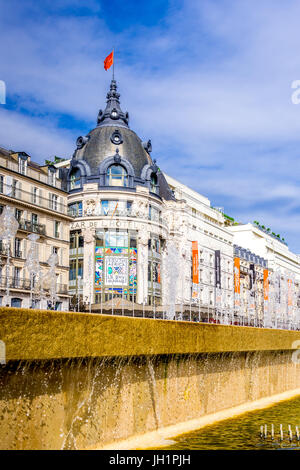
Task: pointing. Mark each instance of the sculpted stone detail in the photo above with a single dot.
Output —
(140, 208)
(90, 206)
(143, 236)
(88, 235)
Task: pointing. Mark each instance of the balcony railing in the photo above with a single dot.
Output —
(25, 284)
(30, 226)
(33, 198)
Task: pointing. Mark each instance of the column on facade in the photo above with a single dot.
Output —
(142, 266)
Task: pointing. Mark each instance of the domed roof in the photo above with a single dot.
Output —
(112, 139)
(100, 145)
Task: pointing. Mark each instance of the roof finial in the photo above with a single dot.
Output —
(113, 115)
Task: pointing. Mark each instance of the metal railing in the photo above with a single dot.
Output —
(25, 284)
(30, 226)
(33, 198)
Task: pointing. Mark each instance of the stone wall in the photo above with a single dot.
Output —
(88, 401)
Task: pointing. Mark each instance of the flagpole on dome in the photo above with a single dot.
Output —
(113, 70)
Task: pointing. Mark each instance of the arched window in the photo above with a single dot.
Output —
(116, 176)
(75, 179)
(153, 183)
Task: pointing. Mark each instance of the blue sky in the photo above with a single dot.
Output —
(208, 81)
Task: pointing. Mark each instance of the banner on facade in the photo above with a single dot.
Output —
(116, 271)
(218, 269)
(195, 262)
(237, 280)
(266, 284)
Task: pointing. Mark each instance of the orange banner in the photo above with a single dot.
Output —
(266, 284)
(290, 292)
(237, 280)
(158, 273)
(195, 263)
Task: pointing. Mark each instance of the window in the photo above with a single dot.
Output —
(75, 209)
(155, 272)
(75, 181)
(80, 241)
(116, 239)
(80, 268)
(17, 303)
(1, 208)
(34, 220)
(18, 214)
(18, 253)
(51, 176)
(116, 176)
(153, 183)
(34, 195)
(53, 201)
(1, 183)
(72, 272)
(17, 276)
(149, 271)
(56, 229)
(154, 213)
(22, 166)
(99, 238)
(55, 250)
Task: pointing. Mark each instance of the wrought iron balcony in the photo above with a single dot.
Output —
(25, 284)
(29, 226)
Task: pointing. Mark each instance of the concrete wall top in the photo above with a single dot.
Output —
(37, 334)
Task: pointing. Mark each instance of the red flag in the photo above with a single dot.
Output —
(109, 61)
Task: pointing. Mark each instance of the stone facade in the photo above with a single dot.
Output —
(40, 206)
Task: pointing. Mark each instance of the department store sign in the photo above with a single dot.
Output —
(113, 223)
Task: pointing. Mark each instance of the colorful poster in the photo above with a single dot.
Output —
(237, 279)
(195, 262)
(266, 284)
(116, 271)
(98, 268)
(132, 271)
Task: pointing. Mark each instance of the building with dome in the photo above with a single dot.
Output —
(140, 236)
(126, 215)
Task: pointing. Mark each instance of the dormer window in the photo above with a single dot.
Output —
(51, 176)
(22, 165)
(117, 176)
(153, 183)
(75, 182)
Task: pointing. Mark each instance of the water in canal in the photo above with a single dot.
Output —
(244, 432)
